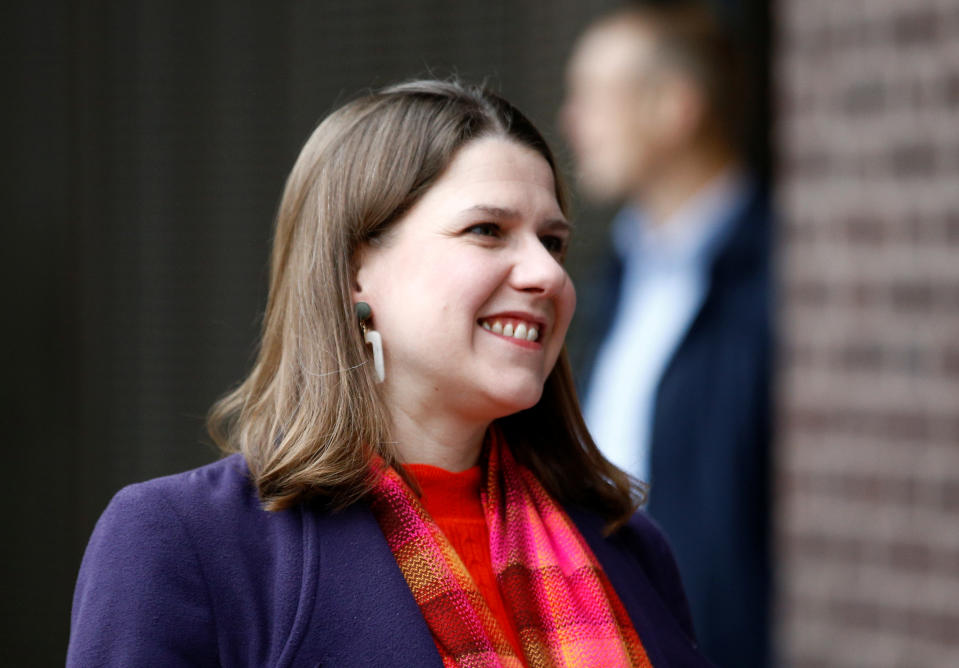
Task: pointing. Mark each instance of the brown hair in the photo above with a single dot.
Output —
(308, 418)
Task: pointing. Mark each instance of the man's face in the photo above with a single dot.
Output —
(610, 115)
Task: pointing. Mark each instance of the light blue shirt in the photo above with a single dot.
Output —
(665, 280)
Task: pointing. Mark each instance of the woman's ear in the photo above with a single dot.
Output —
(369, 272)
(359, 273)
(355, 289)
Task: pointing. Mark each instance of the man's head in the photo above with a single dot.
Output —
(649, 87)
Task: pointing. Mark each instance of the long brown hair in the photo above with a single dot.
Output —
(308, 418)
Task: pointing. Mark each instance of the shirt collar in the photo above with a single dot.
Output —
(692, 233)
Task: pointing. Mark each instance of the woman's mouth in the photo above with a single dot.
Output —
(511, 327)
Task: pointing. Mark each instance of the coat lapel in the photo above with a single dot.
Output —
(364, 613)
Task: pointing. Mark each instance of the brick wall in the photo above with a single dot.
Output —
(867, 98)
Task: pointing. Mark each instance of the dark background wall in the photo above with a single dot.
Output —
(145, 145)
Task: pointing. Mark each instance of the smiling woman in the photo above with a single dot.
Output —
(434, 500)
(482, 245)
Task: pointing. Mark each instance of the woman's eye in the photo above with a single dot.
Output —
(484, 229)
(554, 244)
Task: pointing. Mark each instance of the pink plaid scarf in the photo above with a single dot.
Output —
(564, 607)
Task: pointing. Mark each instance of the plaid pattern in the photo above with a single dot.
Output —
(565, 610)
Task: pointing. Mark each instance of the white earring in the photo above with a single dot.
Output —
(372, 338)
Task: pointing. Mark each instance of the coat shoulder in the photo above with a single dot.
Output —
(177, 566)
(226, 481)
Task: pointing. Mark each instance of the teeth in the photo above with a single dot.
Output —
(520, 331)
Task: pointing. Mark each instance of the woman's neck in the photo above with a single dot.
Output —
(439, 440)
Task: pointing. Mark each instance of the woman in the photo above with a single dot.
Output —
(414, 484)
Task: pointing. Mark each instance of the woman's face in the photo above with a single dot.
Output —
(468, 290)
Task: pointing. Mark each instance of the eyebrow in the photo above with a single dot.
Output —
(505, 213)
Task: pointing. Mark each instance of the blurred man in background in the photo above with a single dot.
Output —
(679, 385)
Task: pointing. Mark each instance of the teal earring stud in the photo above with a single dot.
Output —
(363, 311)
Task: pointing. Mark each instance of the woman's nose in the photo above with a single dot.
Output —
(537, 270)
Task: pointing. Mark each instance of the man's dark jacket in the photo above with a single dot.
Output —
(710, 442)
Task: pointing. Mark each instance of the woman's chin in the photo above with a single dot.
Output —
(516, 401)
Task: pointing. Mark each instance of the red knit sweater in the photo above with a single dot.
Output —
(453, 500)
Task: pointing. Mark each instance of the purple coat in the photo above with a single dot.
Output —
(188, 570)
